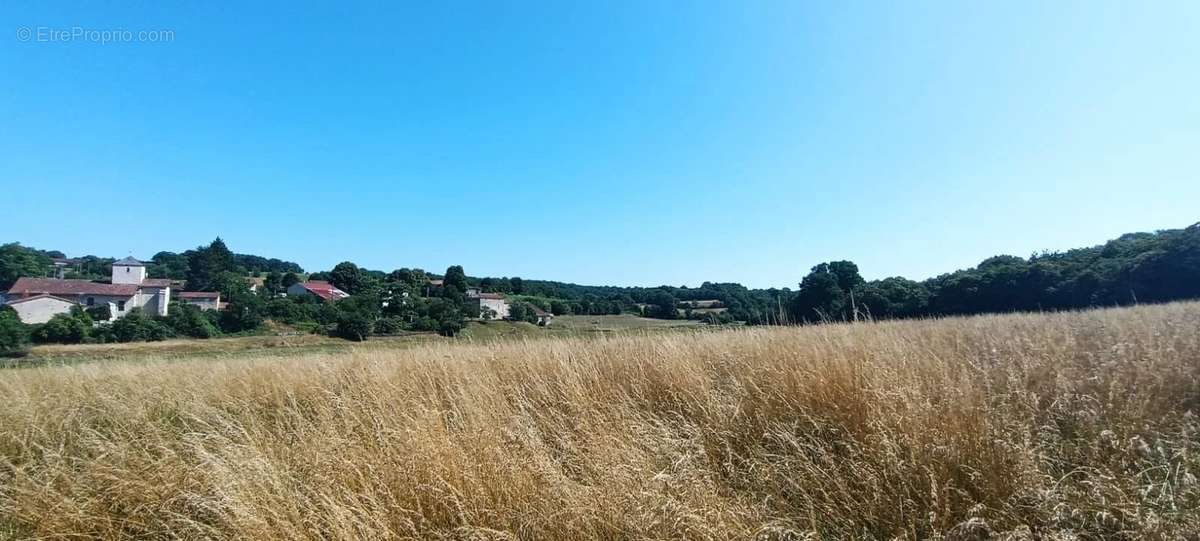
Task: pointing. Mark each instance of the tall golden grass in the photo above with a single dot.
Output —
(1064, 426)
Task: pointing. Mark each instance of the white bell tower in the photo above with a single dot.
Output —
(128, 271)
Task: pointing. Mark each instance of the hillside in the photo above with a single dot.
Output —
(1057, 426)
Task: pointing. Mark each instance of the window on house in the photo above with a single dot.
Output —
(91, 301)
(121, 306)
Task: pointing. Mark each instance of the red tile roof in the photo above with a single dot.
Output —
(156, 282)
(42, 296)
(325, 290)
(26, 287)
(493, 296)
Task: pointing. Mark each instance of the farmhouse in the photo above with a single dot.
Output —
(322, 290)
(205, 300)
(543, 317)
(488, 301)
(128, 289)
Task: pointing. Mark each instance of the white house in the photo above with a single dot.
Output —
(544, 318)
(40, 308)
(205, 300)
(129, 289)
(493, 301)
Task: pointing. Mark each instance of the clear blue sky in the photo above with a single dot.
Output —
(635, 143)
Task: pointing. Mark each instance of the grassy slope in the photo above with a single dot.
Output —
(1068, 426)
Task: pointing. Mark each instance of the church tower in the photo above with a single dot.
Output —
(128, 271)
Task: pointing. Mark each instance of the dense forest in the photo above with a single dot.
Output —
(1136, 267)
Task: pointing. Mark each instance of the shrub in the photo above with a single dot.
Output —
(424, 323)
(100, 312)
(14, 335)
(188, 320)
(389, 325)
(61, 329)
(449, 327)
(136, 327)
(244, 313)
(353, 326)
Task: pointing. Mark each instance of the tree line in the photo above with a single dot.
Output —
(1136, 267)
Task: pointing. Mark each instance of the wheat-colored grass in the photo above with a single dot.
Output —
(1065, 426)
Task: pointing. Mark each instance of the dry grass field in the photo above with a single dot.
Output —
(1066, 426)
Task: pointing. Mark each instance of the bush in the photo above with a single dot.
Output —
(389, 325)
(61, 329)
(244, 313)
(353, 326)
(292, 310)
(100, 312)
(188, 320)
(136, 327)
(424, 323)
(522, 311)
(14, 335)
(450, 327)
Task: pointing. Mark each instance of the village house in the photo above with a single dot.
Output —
(488, 301)
(40, 308)
(42, 298)
(322, 290)
(204, 300)
(543, 317)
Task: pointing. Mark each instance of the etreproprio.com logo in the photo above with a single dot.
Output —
(49, 34)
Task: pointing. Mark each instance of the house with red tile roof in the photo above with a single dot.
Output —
(128, 289)
(317, 288)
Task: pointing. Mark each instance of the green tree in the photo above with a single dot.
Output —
(206, 263)
(189, 320)
(821, 297)
(14, 335)
(347, 277)
(273, 283)
(455, 279)
(354, 326)
(243, 313)
(168, 265)
(290, 279)
(665, 305)
(17, 261)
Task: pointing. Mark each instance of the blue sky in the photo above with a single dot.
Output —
(635, 143)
